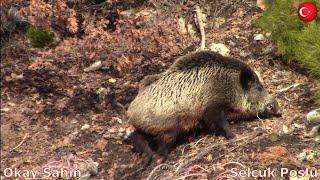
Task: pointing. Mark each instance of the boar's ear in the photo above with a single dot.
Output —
(246, 78)
(149, 79)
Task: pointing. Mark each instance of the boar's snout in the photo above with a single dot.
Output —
(271, 108)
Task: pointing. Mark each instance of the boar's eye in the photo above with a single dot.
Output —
(260, 87)
(247, 79)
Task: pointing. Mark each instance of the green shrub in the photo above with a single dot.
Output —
(40, 37)
(295, 39)
(317, 97)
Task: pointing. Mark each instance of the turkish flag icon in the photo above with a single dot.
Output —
(307, 11)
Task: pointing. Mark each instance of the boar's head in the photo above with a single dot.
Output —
(257, 100)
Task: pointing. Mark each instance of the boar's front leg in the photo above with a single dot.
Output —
(223, 124)
(216, 121)
(164, 142)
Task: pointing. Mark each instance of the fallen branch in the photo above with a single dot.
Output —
(212, 147)
(289, 87)
(201, 27)
(24, 138)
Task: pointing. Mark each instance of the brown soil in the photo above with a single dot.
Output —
(51, 105)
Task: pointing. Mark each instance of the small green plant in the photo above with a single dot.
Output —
(40, 37)
(295, 39)
(317, 97)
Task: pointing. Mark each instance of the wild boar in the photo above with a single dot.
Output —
(201, 87)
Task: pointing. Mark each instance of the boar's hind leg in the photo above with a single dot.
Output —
(218, 121)
(141, 145)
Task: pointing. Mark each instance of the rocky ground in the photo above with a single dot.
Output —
(51, 107)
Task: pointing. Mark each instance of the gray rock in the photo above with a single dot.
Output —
(259, 37)
(93, 67)
(220, 48)
(302, 156)
(85, 127)
(287, 129)
(111, 80)
(313, 116)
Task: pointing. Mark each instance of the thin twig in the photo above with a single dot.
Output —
(191, 175)
(133, 173)
(258, 116)
(156, 169)
(183, 149)
(201, 27)
(196, 144)
(222, 155)
(228, 163)
(24, 138)
(223, 175)
(197, 166)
